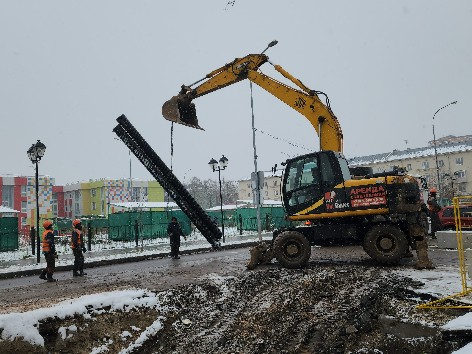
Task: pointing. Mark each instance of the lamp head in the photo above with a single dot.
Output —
(223, 162)
(213, 164)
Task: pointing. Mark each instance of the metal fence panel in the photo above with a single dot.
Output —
(8, 234)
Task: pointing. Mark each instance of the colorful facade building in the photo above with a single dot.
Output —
(97, 196)
(19, 193)
(73, 200)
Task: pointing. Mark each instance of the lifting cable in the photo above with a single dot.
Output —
(171, 158)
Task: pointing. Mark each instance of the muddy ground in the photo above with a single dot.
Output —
(327, 309)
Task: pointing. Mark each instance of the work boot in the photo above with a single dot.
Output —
(82, 273)
(50, 278)
(43, 275)
(75, 273)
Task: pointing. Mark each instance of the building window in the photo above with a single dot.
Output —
(94, 206)
(459, 161)
(440, 163)
(275, 183)
(23, 221)
(23, 191)
(460, 174)
(94, 192)
(276, 193)
(249, 185)
(462, 187)
(425, 165)
(408, 167)
(266, 193)
(249, 194)
(23, 206)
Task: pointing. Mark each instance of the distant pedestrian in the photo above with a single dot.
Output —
(136, 232)
(434, 209)
(78, 248)
(174, 232)
(49, 251)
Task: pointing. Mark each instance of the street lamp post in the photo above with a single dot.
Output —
(223, 163)
(35, 153)
(436, 150)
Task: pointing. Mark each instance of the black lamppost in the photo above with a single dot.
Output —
(35, 153)
(436, 151)
(223, 163)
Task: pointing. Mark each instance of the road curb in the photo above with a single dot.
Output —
(106, 262)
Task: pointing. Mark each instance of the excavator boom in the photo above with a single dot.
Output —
(180, 109)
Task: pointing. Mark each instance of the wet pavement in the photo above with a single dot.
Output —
(103, 257)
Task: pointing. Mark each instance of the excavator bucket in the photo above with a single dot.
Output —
(180, 109)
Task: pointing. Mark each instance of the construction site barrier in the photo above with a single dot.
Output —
(447, 302)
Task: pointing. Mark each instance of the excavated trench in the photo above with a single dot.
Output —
(321, 309)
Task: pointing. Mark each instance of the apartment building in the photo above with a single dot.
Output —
(19, 193)
(96, 197)
(271, 188)
(73, 200)
(452, 174)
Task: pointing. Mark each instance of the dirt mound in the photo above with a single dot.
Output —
(320, 309)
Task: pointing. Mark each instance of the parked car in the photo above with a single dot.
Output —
(446, 215)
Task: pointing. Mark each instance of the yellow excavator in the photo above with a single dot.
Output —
(383, 211)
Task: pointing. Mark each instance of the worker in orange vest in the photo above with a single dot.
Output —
(49, 251)
(78, 248)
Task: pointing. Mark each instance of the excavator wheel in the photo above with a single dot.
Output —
(292, 249)
(386, 244)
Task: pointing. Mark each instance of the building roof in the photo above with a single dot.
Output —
(145, 205)
(5, 210)
(397, 155)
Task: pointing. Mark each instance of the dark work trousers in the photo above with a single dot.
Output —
(174, 246)
(78, 260)
(50, 263)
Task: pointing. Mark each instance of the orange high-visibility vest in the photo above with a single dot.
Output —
(79, 239)
(45, 243)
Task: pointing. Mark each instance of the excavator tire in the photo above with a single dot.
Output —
(292, 249)
(386, 244)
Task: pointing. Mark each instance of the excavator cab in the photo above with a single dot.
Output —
(180, 109)
(313, 181)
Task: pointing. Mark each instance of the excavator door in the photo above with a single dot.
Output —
(180, 109)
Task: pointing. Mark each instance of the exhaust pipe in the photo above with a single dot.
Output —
(181, 110)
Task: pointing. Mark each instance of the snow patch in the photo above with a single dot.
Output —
(17, 325)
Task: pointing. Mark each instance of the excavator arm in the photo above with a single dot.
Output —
(181, 109)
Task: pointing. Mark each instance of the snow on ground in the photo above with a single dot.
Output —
(440, 282)
(25, 324)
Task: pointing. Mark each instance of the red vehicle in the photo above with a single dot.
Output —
(446, 215)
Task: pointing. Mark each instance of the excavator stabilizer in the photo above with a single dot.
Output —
(180, 109)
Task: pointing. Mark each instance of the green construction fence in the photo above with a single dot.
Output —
(153, 224)
(8, 234)
(149, 224)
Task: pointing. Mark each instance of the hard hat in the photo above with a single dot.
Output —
(432, 190)
(47, 223)
(76, 222)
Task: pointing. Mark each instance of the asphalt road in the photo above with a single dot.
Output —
(30, 292)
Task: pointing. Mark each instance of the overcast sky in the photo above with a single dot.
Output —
(70, 68)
